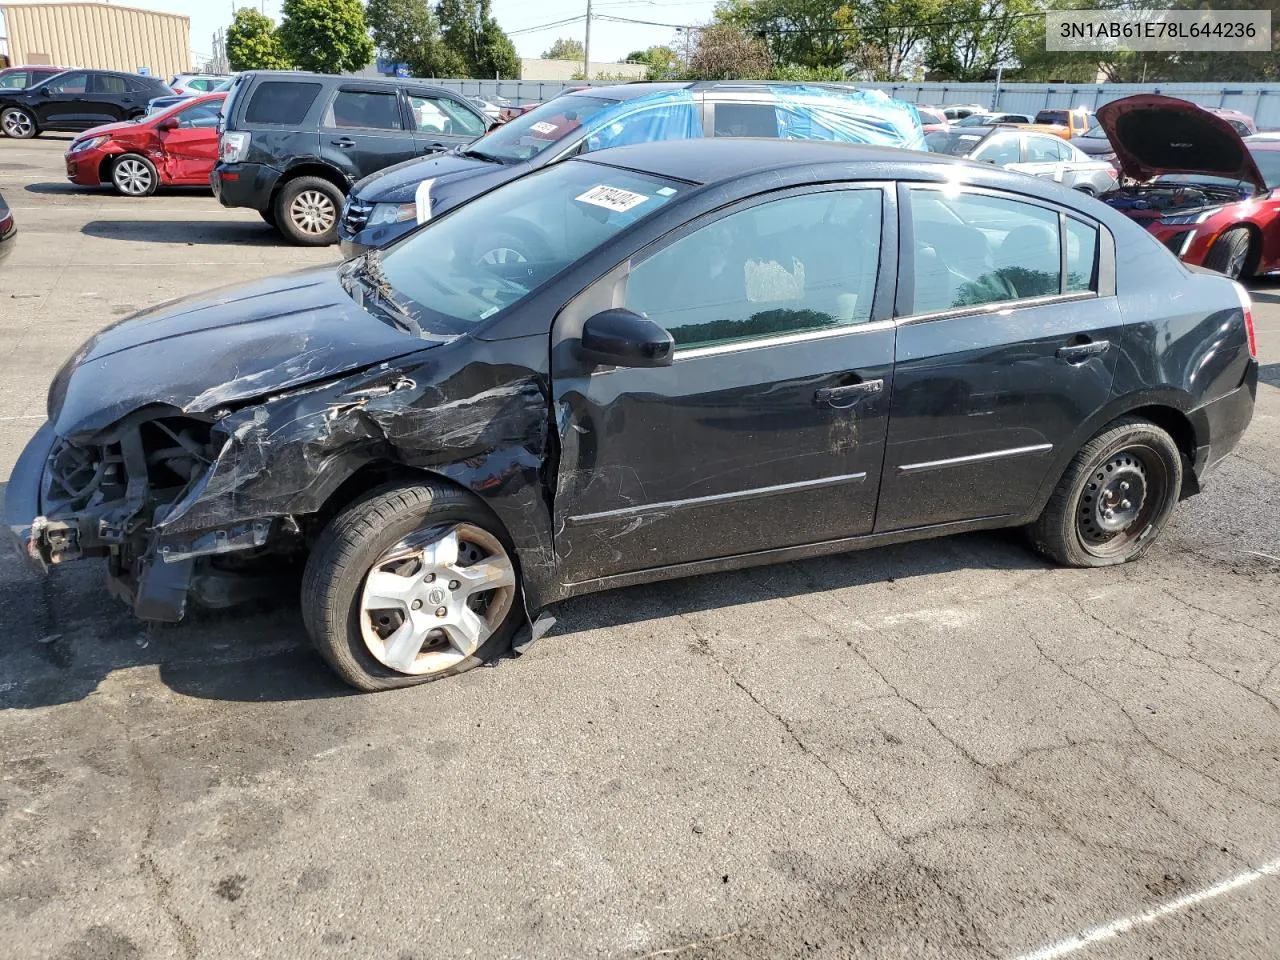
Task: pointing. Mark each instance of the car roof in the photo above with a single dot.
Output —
(1256, 142)
(629, 91)
(706, 161)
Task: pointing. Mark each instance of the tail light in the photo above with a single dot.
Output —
(233, 146)
(1246, 305)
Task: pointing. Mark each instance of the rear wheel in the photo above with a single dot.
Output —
(306, 211)
(1116, 496)
(134, 176)
(18, 123)
(1231, 254)
(411, 584)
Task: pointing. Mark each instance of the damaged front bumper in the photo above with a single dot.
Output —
(27, 528)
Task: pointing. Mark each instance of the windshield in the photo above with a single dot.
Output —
(504, 245)
(974, 120)
(1268, 162)
(954, 143)
(530, 133)
(1095, 133)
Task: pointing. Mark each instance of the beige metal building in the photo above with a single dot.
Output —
(97, 35)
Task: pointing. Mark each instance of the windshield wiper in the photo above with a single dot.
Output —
(368, 269)
(480, 155)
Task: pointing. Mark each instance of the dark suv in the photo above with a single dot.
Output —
(77, 100)
(292, 144)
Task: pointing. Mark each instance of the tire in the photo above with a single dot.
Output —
(307, 210)
(133, 175)
(397, 532)
(1129, 456)
(1232, 254)
(268, 216)
(18, 124)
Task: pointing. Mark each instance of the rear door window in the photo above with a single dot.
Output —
(13, 81)
(745, 120)
(973, 249)
(1000, 149)
(109, 83)
(284, 102)
(365, 110)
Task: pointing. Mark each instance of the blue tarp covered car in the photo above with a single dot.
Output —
(390, 203)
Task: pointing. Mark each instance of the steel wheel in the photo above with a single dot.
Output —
(133, 177)
(313, 213)
(432, 600)
(1120, 500)
(18, 124)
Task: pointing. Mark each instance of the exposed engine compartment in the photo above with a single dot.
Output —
(1150, 201)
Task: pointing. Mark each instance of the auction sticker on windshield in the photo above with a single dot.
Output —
(543, 127)
(612, 198)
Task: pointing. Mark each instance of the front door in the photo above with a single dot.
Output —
(191, 148)
(1002, 357)
(362, 131)
(440, 122)
(63, 103)
(768, 429)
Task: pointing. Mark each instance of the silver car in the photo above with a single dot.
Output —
(1039, 154)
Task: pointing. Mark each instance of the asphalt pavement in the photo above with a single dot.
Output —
(947, 749)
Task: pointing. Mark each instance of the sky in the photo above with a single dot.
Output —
(609, 41)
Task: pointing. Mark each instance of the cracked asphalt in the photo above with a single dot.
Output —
(946, 749)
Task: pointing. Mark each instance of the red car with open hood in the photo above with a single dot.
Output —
(173, 148)
(1208, 195)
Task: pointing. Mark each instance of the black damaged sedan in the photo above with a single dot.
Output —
(695, 356)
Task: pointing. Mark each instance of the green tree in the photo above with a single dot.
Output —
(885, 39)
(801, 33)
(662, 62)
(407, 31)
(725, 52)
(471, 32)
(497, 57)
(565, 48)
(252, 43)
(975, 36)
(328, 36)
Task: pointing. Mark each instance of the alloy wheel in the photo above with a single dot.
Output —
(132, 177)
(18, 125)
(433, 599)
(313, 212)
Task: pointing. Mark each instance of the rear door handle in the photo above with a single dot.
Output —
(1080, 352)
(343, 142)
(852, 393)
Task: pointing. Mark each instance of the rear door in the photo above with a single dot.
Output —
(191, 149)
(767, 431)
(1043, 155)
(363, 130)
(1008, 337)
(110, 98)
(440, 122)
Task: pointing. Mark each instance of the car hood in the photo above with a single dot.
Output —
(1154, 135)
(110, 129)
(399, 183)
(222, 347)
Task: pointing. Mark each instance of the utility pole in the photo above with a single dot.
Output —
(586, 47)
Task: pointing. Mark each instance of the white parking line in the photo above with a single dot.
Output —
(1124, 924)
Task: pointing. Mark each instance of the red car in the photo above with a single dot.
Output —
(174, 148)
(1208, 195)
(932, 119)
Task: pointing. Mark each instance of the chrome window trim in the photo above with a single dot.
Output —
(838, 330)
(1000, 306)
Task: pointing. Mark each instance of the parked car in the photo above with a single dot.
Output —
(8, 230)
(1215, 204)
(393, 201)
(492, 107)
(19, 78)
(292, 144)
(76, 100)
(1242, 123)
(161, 104)
(1094, 142)
(1039, 154)
(991, 119)
(175, 148)
(958, 111)
(932, 119)
(1065, 123)
(650, 389)
(197, 83)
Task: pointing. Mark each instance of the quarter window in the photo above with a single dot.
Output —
(375, 111)
(786, 266)
(285, 102)
(972, 249)
(1082, 257)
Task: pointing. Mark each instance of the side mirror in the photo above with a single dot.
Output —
(168, 123)
(46, 92)
(623, 338)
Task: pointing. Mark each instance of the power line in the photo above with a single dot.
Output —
(546, 26)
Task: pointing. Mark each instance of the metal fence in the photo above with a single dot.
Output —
(1261, 101)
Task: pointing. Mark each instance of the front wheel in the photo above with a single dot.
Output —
(306, 211)
(1115, 497)
(134, 176)
(413, 583)
(1230, 254)
(18, 124)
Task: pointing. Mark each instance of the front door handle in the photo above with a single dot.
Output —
(344, 142)
(1080, 352)
(852, 392)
